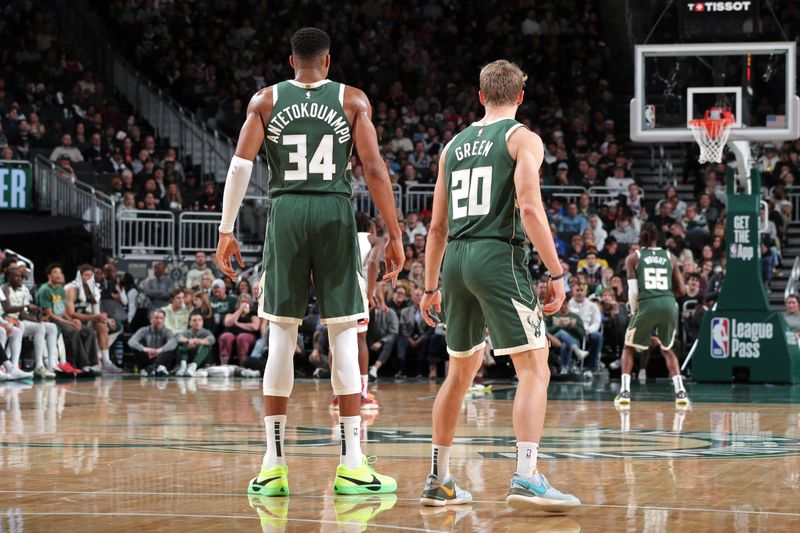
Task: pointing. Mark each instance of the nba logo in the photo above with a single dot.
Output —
(527, 454)
(649, 117)
(720, 337)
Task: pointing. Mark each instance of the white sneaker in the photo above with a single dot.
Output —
(373, 372)
(43, 373)
(110, 368)
(580, 353)
(191, 370)
(181, 371)
(642, 375)
(143, 373)
(201, 373)
(3, 375)
(564, 371)
(614, 364)
(13, 372)
(161, 370)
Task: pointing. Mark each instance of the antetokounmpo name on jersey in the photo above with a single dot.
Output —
(308, 110)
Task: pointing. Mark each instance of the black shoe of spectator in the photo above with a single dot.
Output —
(400, 375)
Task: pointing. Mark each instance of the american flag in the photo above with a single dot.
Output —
(776, 121)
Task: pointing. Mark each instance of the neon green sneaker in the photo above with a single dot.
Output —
(361, 508)
(272, 482)
(362, 480)
(272, 512)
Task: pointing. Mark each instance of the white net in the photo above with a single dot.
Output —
(711, 135)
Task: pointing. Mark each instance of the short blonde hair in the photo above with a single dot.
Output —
(501, 83)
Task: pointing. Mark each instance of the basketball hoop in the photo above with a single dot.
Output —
(711, 133)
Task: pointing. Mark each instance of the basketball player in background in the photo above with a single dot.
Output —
(309, 125)
(489, 169)
(369, 247)
(654, 281)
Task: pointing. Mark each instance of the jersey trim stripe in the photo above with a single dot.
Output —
(314, 85)
(274, 95)
(512, 129)
(472, 350)
(341, 94)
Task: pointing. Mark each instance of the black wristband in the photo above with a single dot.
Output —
(556, 278)
(431, 292)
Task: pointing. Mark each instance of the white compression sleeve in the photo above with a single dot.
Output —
(279, 373)
(345, 376)
(633, 293)
(235, 189)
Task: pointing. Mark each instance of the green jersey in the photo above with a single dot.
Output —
(654, 273)
(309, 139)
(480, 184)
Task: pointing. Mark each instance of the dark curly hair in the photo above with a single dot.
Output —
(308, 43)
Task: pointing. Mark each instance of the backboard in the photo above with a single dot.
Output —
(675, 83)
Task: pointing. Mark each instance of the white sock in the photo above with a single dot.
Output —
(183, 364)
(104, 356)
(364, 385)
(626, 382)
(440, 461)
(274, 456)
(349, 430)
(677, 382)
(526, 458)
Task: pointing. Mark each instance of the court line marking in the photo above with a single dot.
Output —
(311, 496)
(229, 517)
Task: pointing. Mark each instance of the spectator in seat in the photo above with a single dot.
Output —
(159, 288)
(194, 343)
(401, 142)
(221, 303)
(590, 316)
(615, 322)
(209, 201)
(112, 299)
(154, 346)
(382, 334)
(399, 300)
(80, 341)
(201, 304)
(172, 200)
(694, 222)
(695, 321)
(576, 252)
(618, 183)
(706, 209)
(692, 290)
(592, 268)
(176, 314)
(414, 332)
(598, 231)
(96, 153)
(634, 200)
(572, 222)
(414, 227)
(792, 314)
(625, 232)
(66, 148)
(11, 332)
(64, 169)
(585, 207)
(199, 269)
(663, 219)
(240, 327)
(565, 331)
(18, 309)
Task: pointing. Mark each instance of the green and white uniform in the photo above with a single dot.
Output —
(657, 311)
(485, 280)
(311, 230)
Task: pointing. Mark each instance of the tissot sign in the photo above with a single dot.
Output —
(15, 185)
(716, 7)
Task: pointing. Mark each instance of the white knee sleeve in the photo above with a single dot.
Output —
(345, 376)
(279, 373)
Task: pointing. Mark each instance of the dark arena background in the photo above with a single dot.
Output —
(119, 120)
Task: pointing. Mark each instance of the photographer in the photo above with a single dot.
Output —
(615, 321)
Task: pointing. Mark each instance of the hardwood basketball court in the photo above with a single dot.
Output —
(144, 454)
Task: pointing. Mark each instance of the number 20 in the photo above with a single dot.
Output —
(474, 184)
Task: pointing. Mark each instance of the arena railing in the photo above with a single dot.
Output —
(76, 200)
(362, 200)
(791, 283)
(199, 232)
(570, 193)
(145, 233)
(793, 195)
(602, 195)
(211, 149)
(419, 197)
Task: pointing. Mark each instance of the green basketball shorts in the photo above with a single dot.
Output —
(485, 283)
(655, 316)
(311, 238)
